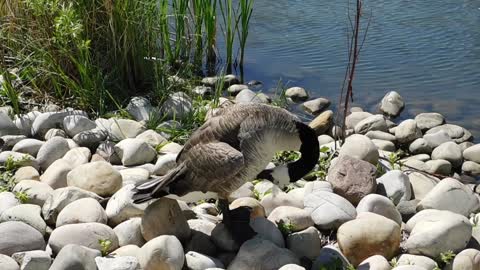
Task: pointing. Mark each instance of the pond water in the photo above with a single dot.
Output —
(428, 51)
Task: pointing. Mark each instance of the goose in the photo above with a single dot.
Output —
(232, 147)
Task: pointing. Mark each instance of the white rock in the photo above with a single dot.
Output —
(84, 210)
(361, 147)
(7, 201)
(27, 213)
(305, 243)
(98, 177)
(177, 105)
(380, 135)
(297, 94)
(472, 153)
(7, 263)
(7, 127)
(420, 146)
(52, 150)
(421, 261)
(120, 207)
(152, 138)
(380, 205)
(275, 199)
(165, 163)
(449, 151)
(316, 106)
(439, 166)
(129, 232)
(267, 230)
(74, 256)
(74, 124)
(134, 152)
(234, 89)
(407, 131)
(471, 168)
(10, 140)
(49, 120)
(24, 122)
(28, 146)
(125, 128)
(34, 260)
(56, 174)
(54, 132)
(18, 236)
(26, 173)
(329, 210)
(355, 117)
(248, 96)
(395, 185)
(374, 122)
(163, 252)
(298, 219)
(384, 145)
(134, 175)
(36, 191)
(197, 261)
(117, 263)
(375, 262)
(427, 121)
(392, 104)
(77, 156)
(422, 184)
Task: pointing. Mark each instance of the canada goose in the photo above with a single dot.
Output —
(234, 147)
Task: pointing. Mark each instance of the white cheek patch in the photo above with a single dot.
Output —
(280, 176)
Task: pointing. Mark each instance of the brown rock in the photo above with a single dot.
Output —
(257, 208)
(322, 122)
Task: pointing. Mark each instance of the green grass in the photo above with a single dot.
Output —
(105, 245)
(286, 227)
(7, 171)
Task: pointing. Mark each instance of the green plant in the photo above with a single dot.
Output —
(259, 196)
(394, 160)
(246, 9)
(22, 196)
(285, 157)
(323, 164)
(447, 257)
(7, 170)
(286, 227)
(105, 245)
(229, 28)
(8, 91)
(280, 99)
(394, 262)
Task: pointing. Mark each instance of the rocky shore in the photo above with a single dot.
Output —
(396, 195)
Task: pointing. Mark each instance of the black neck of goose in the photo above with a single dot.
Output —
(310, 152)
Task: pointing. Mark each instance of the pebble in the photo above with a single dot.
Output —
(422, 184)
(329, 210)
(7, 127)
(407, 131)
(26, 173)
(98, 177)
(27, 213)
(140, 108)
(297, 94)
(83, 210)
(54, 132)
(373, 122)
(53, 149)
(28, 146)
(305, 243)
(134, 152)
(129, 232)
(197, 261)
(18, 236)
(316, 106)
(74, 124)
(73, 256)
(472, 153)
(125, 128)
(322, 122)
(395, 185)
(439, 166)
(90, 138)
(151, 137)
(380, 205)
(56, 174)
(380, 135)
(449, 151)
(234, 89)
(7, 263)
(117, 263)
(471, 168)
(248, 96)
(355, 117)
(426, 121)
(392, 104)
(34, 260)
(37, 192)
(162, 252)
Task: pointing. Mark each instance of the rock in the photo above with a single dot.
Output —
(84, 210)
(373, 122)
(352, 178)
(56, 174)
(330, 256)
(395, 185)
(177, 105)
(435, 231)
(19, 158)
(26, 173)
(257, 209)
(77, 156)
(325, 139)
(35, 260)
(171, 148)
(120, 207)
(52, 150)
(291, 267)
(197, 261)
(356, 117)
(295, 218)
(10, 140)
(24, 122)
(472, 153)
(248, 96)
(28, 146)
(74, 124)
(223, 239)
(84, 234)
(268, 230)
(37, 192)
(164, 217)
(422, 184)
(151, 137)
(375, 234)
(7, 127)
(380, 205)
(467, 136)
(420, 146)
(140, 108)
(134, 176)
(392, 104)
(7, 201)
(117, 263)
(468, 259)
(426, 121)
(262, 254)
(384, 145)
(129, 232)
(107, 151)
(361, 147)
(439, 166)
(134, 152)
(297, 94)
(128, 250)
(407, 131)
(471, 168)
(451, 195)
(316, 106)
(163, 252)
(453, 131)
(329, 210)
(202, 90)
(7, 263)
(276, 199)
(165, 163)
(322, 122)
(234, 89)
(305, 243)
(380, 135)
(245, 191)
(125, 128)
(73, 257)
(200, 240)
(49, 120)
(376, 262)
(465, 145)
(449, 151)
(98, 177)
(417, 260)
(437, 138)
(26, 213)
(18, 236)
(90, 138)
(54, 132)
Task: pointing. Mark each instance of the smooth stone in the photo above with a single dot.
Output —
(125, 128)
(360, 147)
(83, 234)
(468, 259)
(77, 156)
(85, 210)
(49, 120)
(392, 104)
(28, 146)
(316, 106)
(26, 213)
(129, 232)
(453, 131)
(374, 122)
(198, 261)
(417, 260)
(234, 89)
(245, 191)
(171, 147)
(352, 178)
(134, 175)
(164, 217)
(471, 168)
(380, 205)
(162, 253)
(33, 260)
(177, 105)
(472, 153)
(223, 239)
(426, 121)
(90, 138)
(291, 266)
(439, 166)
(75, 257)
(117, 263)
(7, 127)
(420, 146)
(407, 131)
(7, 201)
(120, 207)
(74, 124)
(324, 139)
(268, 230)
(98, 177)
(151, 137)
(408, 267)
(165, 163)
(330, 255)
(7, 263)
(24, 122)
(380, 135)
(52, 150)
(107, 151)
(415, 164)
(257, 209)
(140, 108)
(375, 262)
(248, 96)
(9, 141)
(377, 235)
(18, 236)
(305, 243)
(262, 254)
(276, 199)
(465, 145)
(298, 218)
(449, 151)
(36, 191)
(329, 210)
(467, 136)
(437, 138)
(422, 184)
(19, 158)
(56, 174)
(356, 117)
(128, 250)
(297, 94)
(395, 185)
(384, 145)
(435, 231)
(54, 132)
(322, 122)
(60, 198)
(26, 173)
(134, 152)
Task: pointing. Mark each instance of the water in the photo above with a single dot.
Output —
(429, 51)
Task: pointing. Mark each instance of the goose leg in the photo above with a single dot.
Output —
(237, 221)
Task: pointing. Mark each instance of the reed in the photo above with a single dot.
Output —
(246, 11)
(229, 28)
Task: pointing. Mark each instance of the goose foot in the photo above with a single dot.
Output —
(237, 221)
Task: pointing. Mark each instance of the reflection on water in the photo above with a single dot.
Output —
(427, 50)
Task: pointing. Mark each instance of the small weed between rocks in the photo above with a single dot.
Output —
(105, 245)
(447, 257)
(394, 262)
(259, 196)
(286, 227)
(285, 157)
(22, 196)
(323, 164)
(7, 181)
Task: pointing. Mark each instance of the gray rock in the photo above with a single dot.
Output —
(407, 131)
(140, 108)
(152, 138)
(7, 127)
(297, 94)
(392, 104)
(84, 234)
(314, 186)
(10, 140)
(439, 166)
(24, 122)
(291, 267)
(163, 252)
(380, 205)
(36, 191)
(355, 117)
(120, 207)
(26, 213)
(134, 176)
(177, 105)
(134, 152)
(202, 90)
(449, 151)
(90, 138)
(49, 120)
(298, 219)
(77, 156)
(234, 89)
(171, 147)
(420, 146)
(422, 184)
(467, 136)
(74, 124)
(117, 263)
(467, 259)
(316, 106)
(472, 153)
(262, 254)
(129, 232)
(395, 185)
(380, 135)
(62, 197)
(268, 230)
(384, 145)
(54, 132)
(56, 174)
(107, 151)
(248, 96)
(453, 131)
(165, 163)
(374, 122)
(125, 128)
(426, 121)
(75, 257)
(421, 261)
(52, 150)
(329, 210)
(28, 146)
(18, 236)
(33, 260)
(7, 201)
(98, 177)
(451, 195)
(330, 255)
(197, 261)
(305, 243)
(361, 147)
(83, 210)
(471, 168)
(7, 263)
